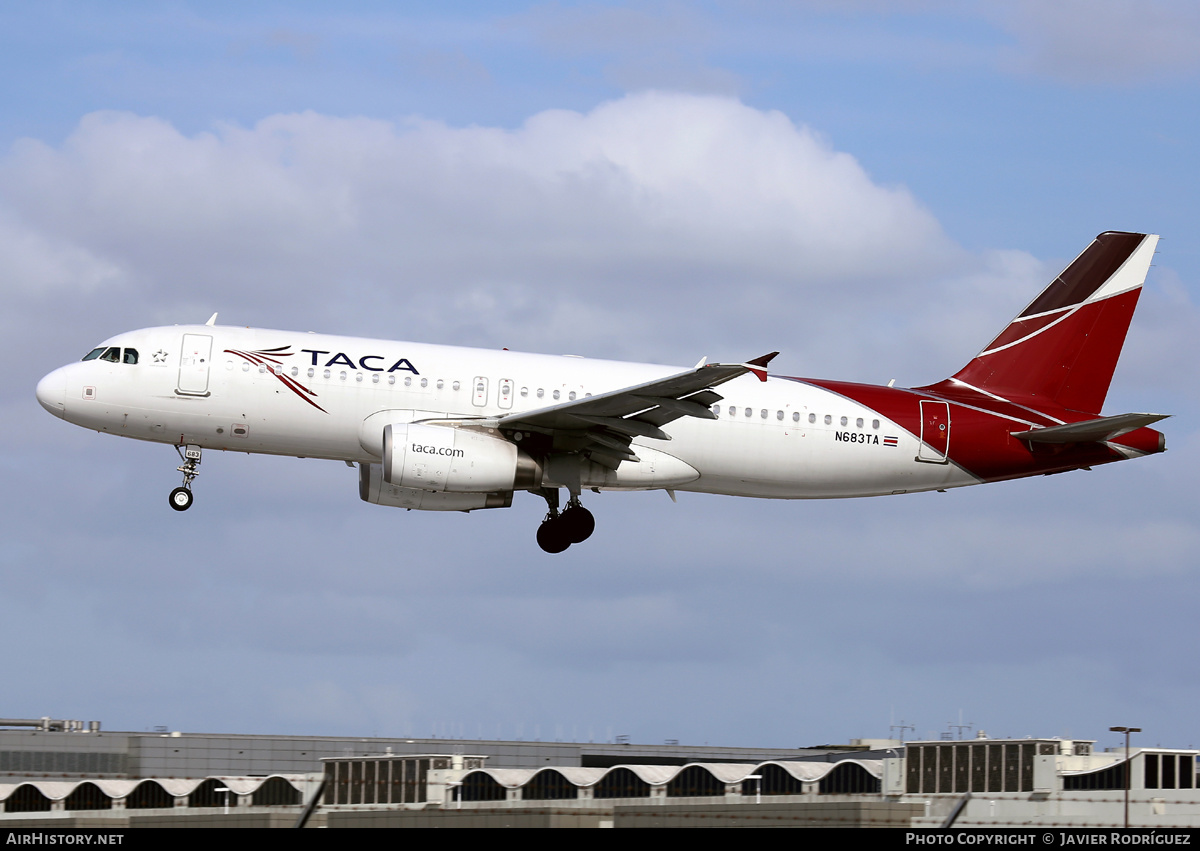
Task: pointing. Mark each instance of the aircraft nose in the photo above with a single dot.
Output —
(52, 393)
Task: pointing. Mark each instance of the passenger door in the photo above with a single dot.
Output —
(194, 362)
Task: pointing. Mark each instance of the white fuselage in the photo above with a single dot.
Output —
(331, 396)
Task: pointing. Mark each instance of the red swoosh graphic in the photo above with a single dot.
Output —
(264, 356)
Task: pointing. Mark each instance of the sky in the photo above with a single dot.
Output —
(872, 188)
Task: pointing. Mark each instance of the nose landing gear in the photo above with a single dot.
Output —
(559, 530)
(181, 498)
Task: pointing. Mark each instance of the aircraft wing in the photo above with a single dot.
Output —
(603, 425)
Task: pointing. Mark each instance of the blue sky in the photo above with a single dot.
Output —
(872, 188)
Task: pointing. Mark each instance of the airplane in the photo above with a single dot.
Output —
(441, 428)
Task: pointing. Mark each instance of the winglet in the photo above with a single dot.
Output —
(759, 365)
(212, 320)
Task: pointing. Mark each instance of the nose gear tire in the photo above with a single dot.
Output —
(181, 499)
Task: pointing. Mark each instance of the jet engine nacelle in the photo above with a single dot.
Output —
(457, 460)
(372, 488)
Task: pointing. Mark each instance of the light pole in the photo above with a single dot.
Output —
(757, 778)
(224, 789)
(1128, 764)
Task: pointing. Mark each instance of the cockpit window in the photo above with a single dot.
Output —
(111, 354)
(94, 353)
(131, 356)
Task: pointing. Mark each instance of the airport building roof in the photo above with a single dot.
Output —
(132, 755)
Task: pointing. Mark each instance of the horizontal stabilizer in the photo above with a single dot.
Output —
(1090, 431)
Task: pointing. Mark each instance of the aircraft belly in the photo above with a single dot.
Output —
(815, 463)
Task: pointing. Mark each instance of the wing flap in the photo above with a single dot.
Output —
(684, 407)
(629, 425)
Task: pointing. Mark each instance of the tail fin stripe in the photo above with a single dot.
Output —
(1023, 329)
(1088, 273)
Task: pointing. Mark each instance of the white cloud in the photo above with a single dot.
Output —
(39, 262)
(662, 205)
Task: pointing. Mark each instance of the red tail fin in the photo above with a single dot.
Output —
(1061, 350)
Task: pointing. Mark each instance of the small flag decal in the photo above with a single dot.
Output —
(891, 441)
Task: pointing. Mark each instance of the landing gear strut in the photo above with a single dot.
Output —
(181, 497)
(559, 530)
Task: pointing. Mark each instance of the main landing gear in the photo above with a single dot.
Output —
(181, 497)
(559, 530)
